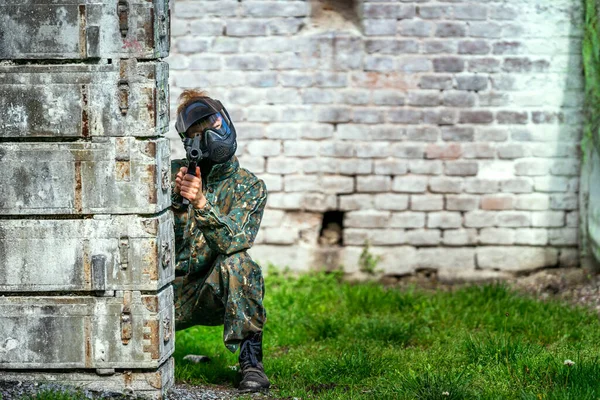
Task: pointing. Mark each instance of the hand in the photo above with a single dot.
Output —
(190, 187)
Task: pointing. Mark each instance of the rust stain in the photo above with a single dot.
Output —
(78, 189)
(123, 171)
(127, 378)
(152, 107)
(82, 31)
(150, 179)
(152, 334)
(155, 380)
(151, 303)
(150, 31)
(149, 149)
(88, 342)
(85, 124)
(151, 263)
(87, 265)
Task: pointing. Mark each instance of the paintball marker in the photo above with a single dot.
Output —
(193, 155)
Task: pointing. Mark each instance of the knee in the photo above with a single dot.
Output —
(239, 263)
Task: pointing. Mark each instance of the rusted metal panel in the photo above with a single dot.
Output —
(85, 177)
(86, 255)
(53, 332)
(124, 98)
(84, 29)
(146, 384)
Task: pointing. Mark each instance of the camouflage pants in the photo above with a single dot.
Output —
(230, 295)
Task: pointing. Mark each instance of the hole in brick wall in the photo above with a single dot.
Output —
(335, 14)
(332, 228)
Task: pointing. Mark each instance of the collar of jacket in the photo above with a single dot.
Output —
(223, 171)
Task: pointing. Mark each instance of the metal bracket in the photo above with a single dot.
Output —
(123, 13)
(123, 96)
(126, 324)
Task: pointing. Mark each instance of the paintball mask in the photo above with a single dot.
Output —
(216, 143)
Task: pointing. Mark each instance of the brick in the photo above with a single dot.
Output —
(387, 132)
(192, 45)
(301, 183)
(254, 164)
(448, 64)
(386, 10)
(444, 219)
(449, 151)
(367, 219)
(322, 165)
(387, 237)
(373, 150)
(266, 9)
(533, 201)
(459, 99)
(409, 184)
(460, 237)
(450, 29)
(470, 12)
(286, 201)
(429, 202)
(274, 183)
(425, 167)
(482, 186)
(497, 236)
(435, 11)
(391, 46)
(334, 114)
(551, 184)
(573, 219)
(458, 134)
(377, 27)
(391, 167)
(476, 117)
(563, 237)
(566, 167)
(408, 150)
(356, 202)
(352, 236)
(264, 148)
(484, 65)
(497, 202)
(284, 26)
(461, 202)
(261, 79)
(528, 236)
(423, 134)
(479, 150)
(379, 64)
(472, 82)
(355, 166)
(546, 117)
(508, 48)
(388, 98)
(445, 185)
(569, 258)
(519, 258)
(405, 116)
(294, 79)
(564, 201)
(493, 99)
(485, 29)
(280, 235)
(512, 117)
(480, 219)
(513, 219)
(424, 237)
(300, 148)
(519, 185)
(532, 167)
(243, 28)
(503, 12)
(439, 82)
(366, 115)
(316, 131)
(511, 151)
(329, 149)
(337, 184)
(417, 28)
(461, 168)
(357, 96)
(407, 219)
(246, 62)
(373, 183)
(440, 117)
(440, 46)
(424, 99)
(186, 9)
(392, 202)
(548, 219)
(446, 258)
(474, 47)
(331, 79)
(352, 132)
(411, 65)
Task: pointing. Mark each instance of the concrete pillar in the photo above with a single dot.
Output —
(86, 238)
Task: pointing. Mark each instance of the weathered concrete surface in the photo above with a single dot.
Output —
(130, 330)
(114, 176)
(97, 254)
(134, 383)
(80, 29)
(124, 98)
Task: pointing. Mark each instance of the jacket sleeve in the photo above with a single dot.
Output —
(179, 210)
(236, 231)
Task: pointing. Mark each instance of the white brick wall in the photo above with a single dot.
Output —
(436, 125)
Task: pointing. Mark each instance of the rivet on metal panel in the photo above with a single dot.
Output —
(124, 251)
(126, 324)
(123, 96)
(162, 25)
(122, 12)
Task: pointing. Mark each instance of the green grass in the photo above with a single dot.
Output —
(328, 339)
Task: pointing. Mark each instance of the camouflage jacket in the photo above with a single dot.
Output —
(228, 223)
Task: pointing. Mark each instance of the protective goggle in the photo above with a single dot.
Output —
(217, 123)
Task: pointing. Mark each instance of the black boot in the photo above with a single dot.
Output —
(253, 373)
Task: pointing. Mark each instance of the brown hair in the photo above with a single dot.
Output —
(188, 96)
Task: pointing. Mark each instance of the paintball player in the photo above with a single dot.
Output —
(217, 283)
